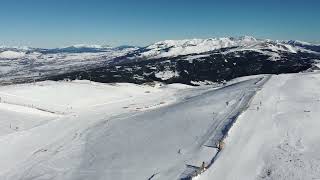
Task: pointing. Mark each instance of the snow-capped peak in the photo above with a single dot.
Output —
(174, 48)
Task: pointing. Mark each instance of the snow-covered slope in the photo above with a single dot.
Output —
(29, 131)
(115, 131)
(127, 131)
(277, 137)
(304, 45)
(172, 48)
(74, 130)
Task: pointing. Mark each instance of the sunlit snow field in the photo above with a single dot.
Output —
(87, 130)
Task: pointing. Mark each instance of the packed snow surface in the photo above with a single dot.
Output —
(278, 136)
(85, 130)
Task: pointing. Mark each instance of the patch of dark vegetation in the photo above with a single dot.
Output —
(216, 67)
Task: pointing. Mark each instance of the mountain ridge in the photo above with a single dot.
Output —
(171, 61)
(214, 43)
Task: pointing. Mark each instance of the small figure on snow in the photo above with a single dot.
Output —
(203, 167)
(179, 151)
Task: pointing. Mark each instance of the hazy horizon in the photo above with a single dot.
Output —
(118, 45)
(50, 24)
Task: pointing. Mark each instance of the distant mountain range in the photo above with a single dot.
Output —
(173, 48)
(79, 48)
(190, 61)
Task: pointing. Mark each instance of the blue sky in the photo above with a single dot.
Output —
(56, 23)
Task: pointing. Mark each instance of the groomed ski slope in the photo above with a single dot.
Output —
(119, 131)
(277, 137)
(161, 142)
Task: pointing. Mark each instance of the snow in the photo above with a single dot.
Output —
(277, 137)
(26, 64)
(77, 130)
(298, 42)
(172, 48)
(34, 64)
(73, 95)
(11, 55)
(118, 131)
(274, 56)
(17, 118)
(192, 57)
(166, 74)
(53, 140)
(202, 83)
(188, 46)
